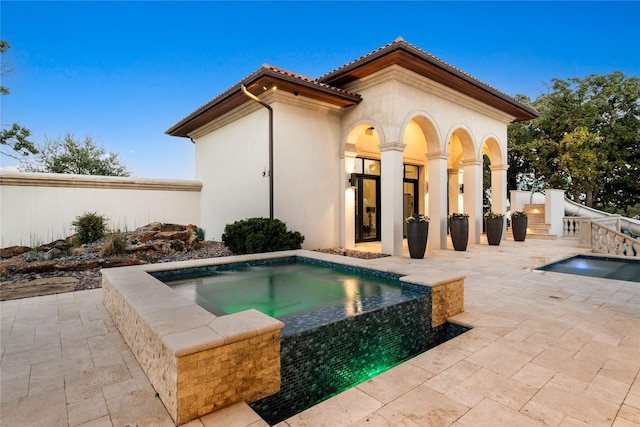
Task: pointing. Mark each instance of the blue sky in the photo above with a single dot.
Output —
(124, 72)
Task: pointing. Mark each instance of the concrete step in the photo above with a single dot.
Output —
(535, 220)
(541, 236)
(540, 229)
(531, 235)
(534, 209)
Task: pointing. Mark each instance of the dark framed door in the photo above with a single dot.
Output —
(410, 199)
(367, 208)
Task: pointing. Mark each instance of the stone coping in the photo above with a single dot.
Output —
(26, 179)
(187, 328)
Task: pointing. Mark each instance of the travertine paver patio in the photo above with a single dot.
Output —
(547, 349)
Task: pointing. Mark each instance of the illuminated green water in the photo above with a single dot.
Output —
(282, 289)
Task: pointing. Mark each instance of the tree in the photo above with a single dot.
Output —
(15, 137)
(71, 156)
(586, 141)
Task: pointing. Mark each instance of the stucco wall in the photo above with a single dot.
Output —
(307, 174)
(231, 160)
(39, 208)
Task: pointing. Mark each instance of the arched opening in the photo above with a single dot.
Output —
(494, 177)
(464, 177)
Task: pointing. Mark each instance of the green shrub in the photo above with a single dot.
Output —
(90, 227)
(255, 235)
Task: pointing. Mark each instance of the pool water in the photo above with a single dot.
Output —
(603, 267)
(282, 289)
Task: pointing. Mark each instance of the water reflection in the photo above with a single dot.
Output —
(353, 298)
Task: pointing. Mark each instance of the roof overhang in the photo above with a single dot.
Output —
(410, 57)
(265, 78)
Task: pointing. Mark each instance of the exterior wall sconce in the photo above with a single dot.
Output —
(352, 180)
(461, 188)
(369, 131)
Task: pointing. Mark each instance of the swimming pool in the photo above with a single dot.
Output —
(343, 325)
(598, 266)
(199, 362)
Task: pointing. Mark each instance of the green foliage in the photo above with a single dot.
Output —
(71, 156)
(90, 227)
(486, 183)
(493, 215)
(457, 216)
(417, 218)
(586, 141)
(255, 235)
(115, 244)
(15, 137)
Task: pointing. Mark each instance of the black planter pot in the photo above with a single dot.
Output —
(459, 229)
(519, 226)
(494, 230)
(417, 234)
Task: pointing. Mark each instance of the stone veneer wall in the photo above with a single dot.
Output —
(156, 361)
(447, 300)
(242, 371)
(196, 362)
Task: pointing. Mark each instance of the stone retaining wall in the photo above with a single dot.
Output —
(197, 362)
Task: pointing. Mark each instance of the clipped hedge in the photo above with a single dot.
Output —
(255, 235)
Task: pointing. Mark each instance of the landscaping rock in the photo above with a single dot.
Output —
(12, 251)
(77, 265)
(33, 288)
(120, 261)
(34, 267)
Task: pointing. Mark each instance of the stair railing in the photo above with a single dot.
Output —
(601, 234)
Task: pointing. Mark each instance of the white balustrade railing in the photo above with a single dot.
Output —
(601, 234)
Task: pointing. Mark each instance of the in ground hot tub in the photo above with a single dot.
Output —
(199, 362)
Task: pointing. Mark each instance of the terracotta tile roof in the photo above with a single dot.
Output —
(265, 70)
(306, 79)
(328, 85)
(400, 44)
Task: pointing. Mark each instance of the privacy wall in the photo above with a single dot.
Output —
(38, 208)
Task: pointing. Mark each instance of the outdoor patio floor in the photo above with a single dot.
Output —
(546, 349)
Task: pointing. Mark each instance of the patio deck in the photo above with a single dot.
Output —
(547, 349)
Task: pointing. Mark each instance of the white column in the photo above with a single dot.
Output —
(348, 220)
(499, 192)
(472, 198)
(437, 172)
(391, 175)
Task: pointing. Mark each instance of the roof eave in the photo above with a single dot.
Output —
(349, 72)
(255, 83)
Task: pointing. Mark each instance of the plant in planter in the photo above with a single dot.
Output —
(494, 223)
(459, 229)
(519, 223)
(417, 234)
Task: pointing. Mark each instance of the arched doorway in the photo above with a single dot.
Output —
(464, 169)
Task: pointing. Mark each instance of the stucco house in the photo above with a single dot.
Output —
(346, 157)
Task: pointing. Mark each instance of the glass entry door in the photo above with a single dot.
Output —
(367, 208)
(410, 200)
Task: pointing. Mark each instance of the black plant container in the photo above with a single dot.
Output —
(417, 235)
(494, 230)
(459, 229)
(519, 226)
